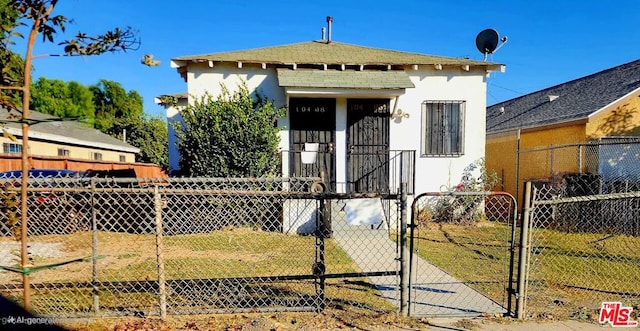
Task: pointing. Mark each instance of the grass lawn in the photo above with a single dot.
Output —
(233, 253)
(569, 272)
(476, 255)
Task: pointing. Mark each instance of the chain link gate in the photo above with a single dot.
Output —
(463, 248)
(139, 247)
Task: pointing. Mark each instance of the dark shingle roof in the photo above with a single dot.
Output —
(319, 52)
(576, 100)
(63, 132)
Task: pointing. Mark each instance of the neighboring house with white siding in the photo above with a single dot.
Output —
(376, 115)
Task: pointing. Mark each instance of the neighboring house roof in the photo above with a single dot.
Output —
(182, 95)
(570, 101)
(179, 96)
(322, 52)
(48, 128)
(396, 79)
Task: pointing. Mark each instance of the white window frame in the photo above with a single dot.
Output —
(443, 123)
(11, 148)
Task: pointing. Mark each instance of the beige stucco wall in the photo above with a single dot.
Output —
(534, 165)
(620, 119)
(42, 148)
(501, 154)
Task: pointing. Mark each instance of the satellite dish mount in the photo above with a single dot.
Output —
(487, 42)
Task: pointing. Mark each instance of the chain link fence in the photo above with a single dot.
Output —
(583, 250)
(584, 225)
(607, 165)
(465, 254)
(139, 247)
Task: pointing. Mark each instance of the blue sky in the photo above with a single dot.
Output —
(549, 42)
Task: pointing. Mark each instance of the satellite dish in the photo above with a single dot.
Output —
(487, 41)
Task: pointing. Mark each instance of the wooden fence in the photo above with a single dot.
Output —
(143, 170)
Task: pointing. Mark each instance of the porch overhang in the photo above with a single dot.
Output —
(342, 92)
(342, 82)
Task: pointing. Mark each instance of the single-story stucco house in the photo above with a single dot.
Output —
(377, 117)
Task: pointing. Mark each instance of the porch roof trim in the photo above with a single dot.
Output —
(371, 80)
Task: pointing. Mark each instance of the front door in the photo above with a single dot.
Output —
(368, 145)
(313, 120)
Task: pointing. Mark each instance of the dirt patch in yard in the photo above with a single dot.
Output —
(330, 319)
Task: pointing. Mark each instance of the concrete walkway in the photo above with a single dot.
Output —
(434, 292)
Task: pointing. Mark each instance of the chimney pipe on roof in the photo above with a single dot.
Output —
(323, 34)
(329, 21)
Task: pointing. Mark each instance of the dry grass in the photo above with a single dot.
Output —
(573, 273)
(330, 319)
(570, 273)
(239, 252)
(480, 251)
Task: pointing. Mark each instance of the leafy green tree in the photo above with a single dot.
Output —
(151, 135)
(11, 64)
(119, 112)
(115, 107)
(62, 99)
(233, 135)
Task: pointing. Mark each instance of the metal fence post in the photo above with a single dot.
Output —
(320, 268)
(162, 291)
(94, 247)
(512, 258)
(404, 271)
(524, 248)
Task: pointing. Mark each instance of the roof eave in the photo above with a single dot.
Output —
(178, 64)
(630, 94)
(304, 91)
(529, 128)
(179, 96)
(73, 141)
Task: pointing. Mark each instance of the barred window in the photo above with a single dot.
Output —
(123, 158)
(11, 148)
(442, 128)
(96, 156)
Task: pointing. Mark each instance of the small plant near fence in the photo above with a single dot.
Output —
(460, 207)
